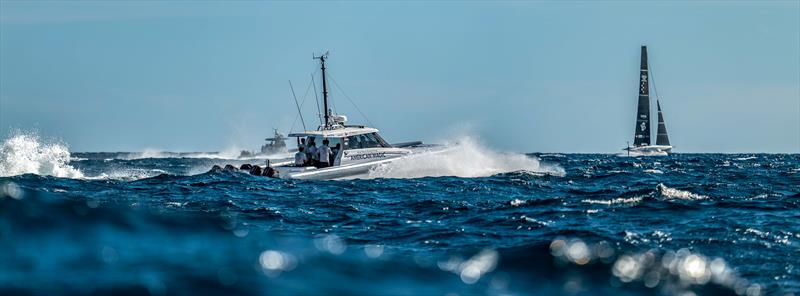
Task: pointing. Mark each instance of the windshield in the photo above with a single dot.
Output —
(371, 140)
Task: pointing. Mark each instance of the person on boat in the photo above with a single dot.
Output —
(312, 151)
(302, 143)
(324, 158)
(335, 151)
(300, 158)
(360, 141)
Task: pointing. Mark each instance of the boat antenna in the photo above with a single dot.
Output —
(298, 105)
(321, 59)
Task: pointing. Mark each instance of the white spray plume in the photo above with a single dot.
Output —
(24, 153)
(466, 158)
(230, 153)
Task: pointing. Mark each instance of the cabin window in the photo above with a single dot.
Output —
(371, 140)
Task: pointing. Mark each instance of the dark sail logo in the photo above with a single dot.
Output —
(643, 87)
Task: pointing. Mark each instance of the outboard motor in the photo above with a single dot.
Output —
(216, 168)
(246, 167)
(269, 172)
(256, 171)
(230, 168)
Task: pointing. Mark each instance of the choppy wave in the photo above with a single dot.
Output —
(679, 194)
(464, 158)
(161, 253)
(26, 153)
(605, 227)
(620, 200)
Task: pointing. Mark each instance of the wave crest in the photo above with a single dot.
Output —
(679, 194)
(25, 153)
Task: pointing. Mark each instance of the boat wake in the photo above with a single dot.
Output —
(465, 158)
(25, 153)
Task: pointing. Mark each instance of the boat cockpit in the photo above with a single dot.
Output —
(343, 140)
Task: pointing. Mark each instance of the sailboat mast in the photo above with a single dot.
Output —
(324, 90)
(642, 133)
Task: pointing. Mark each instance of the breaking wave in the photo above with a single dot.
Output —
(672, 193)
(465, 158)
(25, 153)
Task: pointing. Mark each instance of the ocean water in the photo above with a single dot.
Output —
(498, 224)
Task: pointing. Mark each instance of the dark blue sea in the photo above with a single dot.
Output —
(573, 224)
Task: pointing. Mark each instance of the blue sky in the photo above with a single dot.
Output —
(520, 76)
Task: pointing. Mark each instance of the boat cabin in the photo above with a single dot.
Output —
(349, 138)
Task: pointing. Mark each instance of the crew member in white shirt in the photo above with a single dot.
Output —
(324, 155)
(300, 158)
(312, 151)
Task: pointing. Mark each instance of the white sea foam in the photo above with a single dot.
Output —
(26, 153)
(128, 174)
(463, 158)
(157, 153)
(679, 194)
(619, 200)
(653, 171)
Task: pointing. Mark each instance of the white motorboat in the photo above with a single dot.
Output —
(641, 137)
(274, 145)
(356, 148)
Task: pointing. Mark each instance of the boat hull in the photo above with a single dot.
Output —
(650, 150)
(349, 171)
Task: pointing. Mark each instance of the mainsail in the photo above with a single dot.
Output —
(641, 136)
(661, 136)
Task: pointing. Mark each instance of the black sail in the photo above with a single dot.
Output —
(661, 136)
(641, 136)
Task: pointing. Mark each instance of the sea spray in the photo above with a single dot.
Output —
(229, 153)
(25, 153)
(463, 158)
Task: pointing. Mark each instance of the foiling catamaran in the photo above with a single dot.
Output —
(361, 147)
(641, 136)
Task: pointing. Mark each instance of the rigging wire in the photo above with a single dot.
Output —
(303, 121)
(351, 100)
(305, 96)
(652, 80)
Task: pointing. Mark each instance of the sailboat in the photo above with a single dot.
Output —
(641, 136)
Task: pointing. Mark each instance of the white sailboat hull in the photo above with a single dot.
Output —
(649, 150)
